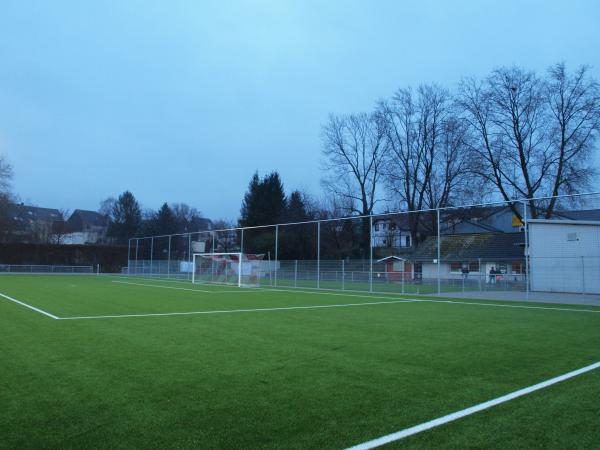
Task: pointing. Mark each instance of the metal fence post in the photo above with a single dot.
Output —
(439, 254)
(212, 262)
(370, 253)
(169, 259)
(137, 243)
(343, 275)
(296, 273)
(276, 252)
(318, 255)
(190, 257)
(151, 255)
(479, 271)
(583, 275)
(526, 250)
(129, 256)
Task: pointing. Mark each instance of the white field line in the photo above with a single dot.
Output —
(33, 308)
(378, 297)
(162, 287)
(382, 295)
(472, 410)
(230, 311)
(239, 291)
(423, 300)
(166, 280)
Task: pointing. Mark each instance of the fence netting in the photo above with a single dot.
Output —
(522, 246)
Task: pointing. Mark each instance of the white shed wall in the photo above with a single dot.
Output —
(564, 257)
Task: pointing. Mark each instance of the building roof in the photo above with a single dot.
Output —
(83, 220)
(583, 214)
(91, 218)
(390, 258)
(24, 212)
(25, 217)
(467, 247)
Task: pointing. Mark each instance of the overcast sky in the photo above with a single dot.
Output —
(181, 101)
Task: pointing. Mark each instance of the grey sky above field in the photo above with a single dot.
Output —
(181, 101)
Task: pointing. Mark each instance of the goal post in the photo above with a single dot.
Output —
(237, 269)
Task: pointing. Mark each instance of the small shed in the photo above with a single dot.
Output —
(564, 255)
(396, 268)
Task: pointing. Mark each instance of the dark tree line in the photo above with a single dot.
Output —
(127, 219)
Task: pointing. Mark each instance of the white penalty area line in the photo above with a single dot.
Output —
(231, 311)
(472, 410)
(161, 287)
(204, 291)
(33, 308)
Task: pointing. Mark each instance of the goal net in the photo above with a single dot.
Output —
(238, 269)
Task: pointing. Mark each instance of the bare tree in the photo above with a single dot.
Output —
(533, 135)
(427, 163)
(7, 224)
(574, 103)
(353, 147)
(59, 227)
(354, 150)
(107, 206)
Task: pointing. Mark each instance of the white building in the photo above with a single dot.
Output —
(390, 233)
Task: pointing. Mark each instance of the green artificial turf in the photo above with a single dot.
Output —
(289, 378)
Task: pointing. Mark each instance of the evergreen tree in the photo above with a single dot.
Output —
(296, 208)
(127, 217)
(264, 202)
(165, 220)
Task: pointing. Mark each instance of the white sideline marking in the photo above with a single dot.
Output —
(41, 311)
(389, 296)
(426, 300)
(228, 311)
(472, 410)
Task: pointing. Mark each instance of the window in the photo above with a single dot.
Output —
(474, 266)
(407, 241)
(457, 267)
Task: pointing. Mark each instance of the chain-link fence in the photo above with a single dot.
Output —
(536, 245)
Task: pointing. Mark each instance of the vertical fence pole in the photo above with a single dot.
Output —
(439, 254)
(242, 242)
(343, 274)
(583, 275)
(212, 265)
(151, 255)
(296, 273)
(137, 244)
(169, 259)
(276, 251)
(526, 250)
(370, 253)
(129, 257)
(318, 255)
(190, 257)
(479, 265)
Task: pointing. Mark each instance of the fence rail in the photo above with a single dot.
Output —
(45, 269)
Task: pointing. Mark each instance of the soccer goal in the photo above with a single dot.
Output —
(238, 269)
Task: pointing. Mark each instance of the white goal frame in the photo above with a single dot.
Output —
(239, 271)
